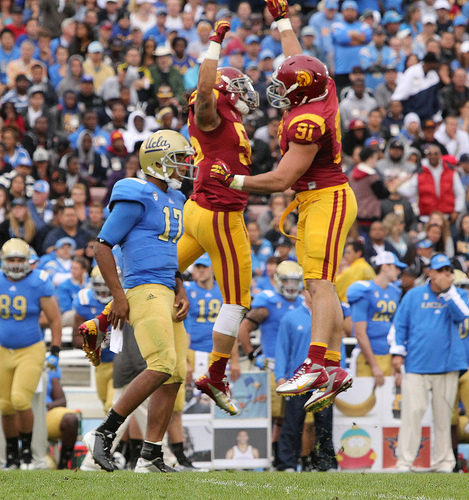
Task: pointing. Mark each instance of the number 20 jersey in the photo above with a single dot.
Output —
(228, 142)
(319, 123)
(20, 307)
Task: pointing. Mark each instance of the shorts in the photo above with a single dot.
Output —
(162, 342)
(325, 218)
(53, 420)
(224, 237)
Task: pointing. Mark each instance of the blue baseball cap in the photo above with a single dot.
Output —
(204, 260)
(389, 258)
(41, 186)
(252, 65)
(425, 243)
(440, 260)
(392, 16)
(349, 4)
(266, 54)
(252, 39)
(459, 21)
(95, 47)
(87, 78)
(331, 4)
(66, 241)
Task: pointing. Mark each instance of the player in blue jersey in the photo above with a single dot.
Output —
(267, 309)
(146, 221)
(88, 303)
(373, 305)
(24, 294)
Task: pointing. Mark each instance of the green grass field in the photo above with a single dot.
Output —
(230, 486)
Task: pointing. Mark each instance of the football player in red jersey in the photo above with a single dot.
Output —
(213, 217)
(310, 141)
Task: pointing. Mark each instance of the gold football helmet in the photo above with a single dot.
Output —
(15, 247)
(103, 294)
(164, 151)
(288, 279)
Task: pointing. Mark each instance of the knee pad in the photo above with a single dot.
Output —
(228, 320)
(21, 400)
(6, 408)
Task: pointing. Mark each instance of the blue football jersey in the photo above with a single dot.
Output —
(149, 249)
(376, 306)
(20, 307)
(278, 306)
(88, 306)
(203, 312)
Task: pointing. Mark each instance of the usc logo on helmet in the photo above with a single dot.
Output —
(304, 78)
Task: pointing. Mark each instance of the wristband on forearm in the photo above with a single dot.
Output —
(284, 24)
(237, 182)
(213, 51)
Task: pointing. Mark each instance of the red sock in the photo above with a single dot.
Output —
(316, 353)
(332, 358)
(218, 365)
(103, 322)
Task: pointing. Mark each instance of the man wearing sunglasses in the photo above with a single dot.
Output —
(425, 339)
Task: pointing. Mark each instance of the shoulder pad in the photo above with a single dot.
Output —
(127, 190)
(357, 291)
(83, 297)
(268, 293)
(43, 275)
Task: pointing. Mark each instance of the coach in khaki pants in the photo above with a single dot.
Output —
(425, 338)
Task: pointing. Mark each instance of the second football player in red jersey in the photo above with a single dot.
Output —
(310, 140)
(213, 217)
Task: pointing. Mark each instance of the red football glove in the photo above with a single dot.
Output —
(221, 29)
(221, 172)
(278, 9)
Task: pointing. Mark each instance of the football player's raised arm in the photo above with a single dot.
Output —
(290, 44)
(205, 105)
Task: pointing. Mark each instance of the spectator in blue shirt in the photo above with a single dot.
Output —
(322, 22)
(8, 52)
(272, 41)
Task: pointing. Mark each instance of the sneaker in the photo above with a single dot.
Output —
(219, 392)
(93, 337)
(339, 381)
(99, 444)
(307, 377)
(89, 464)
(157, 465)
(26, 460)
(12, 463)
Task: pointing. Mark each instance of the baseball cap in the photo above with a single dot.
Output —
(429, 124)
(65, 241)
(404, 33)
(396, 144)
(86, 78)
(36, 89)
(388, 258)
(204, 260)
(379, 30)
(106, 24)
(284, 241)
(440, 260)
(161, 51)
(116, 135)
(59, 175)
(425, 243)
(41, 186)
(223, 13)
(41, 154)
(164, 91)
(464, 158)
(24, 161)
(252, 39)
(252, 65)
(391, 16)
(95, 47)
(441, 4)
(19, 202)
(464, 47)
(162, 11)
(266, 54)
(349, 4)
(308, 31)
(331, 4)
(428, 19)
(356, 124)
(459, 21)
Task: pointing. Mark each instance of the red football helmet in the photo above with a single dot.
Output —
(232, 81)
(298, 80)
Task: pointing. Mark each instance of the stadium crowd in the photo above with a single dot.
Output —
(84, 83)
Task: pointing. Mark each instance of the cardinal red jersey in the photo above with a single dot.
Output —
(319, 123)
(230, 143)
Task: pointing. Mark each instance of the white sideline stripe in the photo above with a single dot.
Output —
(310, 490)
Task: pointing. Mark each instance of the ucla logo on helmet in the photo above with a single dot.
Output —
(304, 78)
(157, 144)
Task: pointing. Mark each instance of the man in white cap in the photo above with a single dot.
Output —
(39, 205)
(95, 65)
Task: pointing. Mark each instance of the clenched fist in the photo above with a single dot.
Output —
(222, 173)
(278, 9)
(221, 29)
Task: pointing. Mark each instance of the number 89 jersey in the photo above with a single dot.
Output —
(20, 307)
(230, 143)
(375, 305)
(319, 123)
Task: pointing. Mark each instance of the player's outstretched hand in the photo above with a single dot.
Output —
(278, 9)
(221, 29)
(221, 172)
